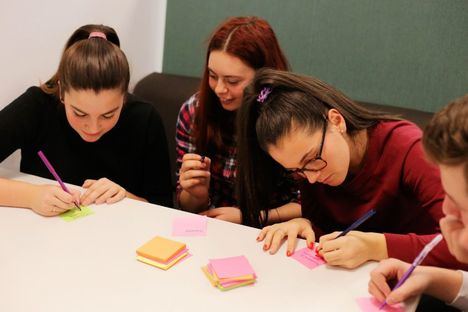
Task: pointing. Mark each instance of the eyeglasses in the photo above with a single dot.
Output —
(314, 165)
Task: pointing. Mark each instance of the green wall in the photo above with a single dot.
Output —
(409, 53)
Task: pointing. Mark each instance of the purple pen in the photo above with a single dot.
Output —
(426, 250)
(54, 173)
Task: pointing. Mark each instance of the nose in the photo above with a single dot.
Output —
(312, 176)
(93, 126)
(220, 87)
(449, 208)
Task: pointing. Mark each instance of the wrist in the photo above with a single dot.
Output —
(377, 246)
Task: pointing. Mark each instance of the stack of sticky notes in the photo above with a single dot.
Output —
(161, 252)
(229, 273)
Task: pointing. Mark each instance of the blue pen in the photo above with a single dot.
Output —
(358, 222)
(426, 250)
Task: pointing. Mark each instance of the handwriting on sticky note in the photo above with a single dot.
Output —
(368, 304)
(189, 226)
(307, 257)
(75, 213)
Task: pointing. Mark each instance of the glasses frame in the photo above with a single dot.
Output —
(302, 171)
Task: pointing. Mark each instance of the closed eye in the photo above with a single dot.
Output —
(78, 114)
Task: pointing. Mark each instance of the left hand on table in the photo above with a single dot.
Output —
(351, 250)
(231, 214)
(102, 191)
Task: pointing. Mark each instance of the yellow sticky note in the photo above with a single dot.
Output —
(160, 249)
(75, 213)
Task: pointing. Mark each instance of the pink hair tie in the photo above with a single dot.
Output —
(98, 34)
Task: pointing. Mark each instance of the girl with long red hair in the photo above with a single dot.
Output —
(205, 135)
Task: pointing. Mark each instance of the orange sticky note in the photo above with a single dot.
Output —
(160, 249)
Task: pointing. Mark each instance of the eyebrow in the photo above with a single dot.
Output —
(109, 112)
(229, 76)
(303, 158)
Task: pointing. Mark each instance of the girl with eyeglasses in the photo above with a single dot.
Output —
(349, 160)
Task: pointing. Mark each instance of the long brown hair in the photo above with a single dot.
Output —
(294, 99)
(445, 138)
(90, 63)
(253, 41)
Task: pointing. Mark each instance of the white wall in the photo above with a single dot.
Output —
(33, 33)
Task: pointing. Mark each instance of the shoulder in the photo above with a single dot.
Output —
(188, 110)
(394, 134)
(33, 101)
(189, 107)
(139, 111)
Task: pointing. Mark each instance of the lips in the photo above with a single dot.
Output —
(226, 101)
(92, 134)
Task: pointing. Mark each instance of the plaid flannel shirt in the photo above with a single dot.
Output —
(223, 164)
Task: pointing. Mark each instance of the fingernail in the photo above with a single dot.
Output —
(288, 253)
(265, 247)
(311, 246)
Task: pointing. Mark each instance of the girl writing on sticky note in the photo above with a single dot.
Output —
(348, 160)
(92, 130)
(205, 132)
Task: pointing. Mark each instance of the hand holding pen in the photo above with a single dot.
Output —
(350, 248)
(417, 261)
(194, 175)
(58, 203)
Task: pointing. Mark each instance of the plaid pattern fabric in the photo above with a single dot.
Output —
(223, 164)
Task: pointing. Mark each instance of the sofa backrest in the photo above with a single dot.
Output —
(167, 92)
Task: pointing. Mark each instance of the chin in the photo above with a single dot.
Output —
(90, 139)
(230, 108)
(336, 181)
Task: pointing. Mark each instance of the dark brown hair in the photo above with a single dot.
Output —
(253, 41)
(94, 63)
(295, 100)
(445, 138)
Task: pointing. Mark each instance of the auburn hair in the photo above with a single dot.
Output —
(253, 41)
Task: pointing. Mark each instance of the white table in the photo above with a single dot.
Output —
(47, 264)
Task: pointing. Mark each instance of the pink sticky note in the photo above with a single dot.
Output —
(307, 257)
(189, 226)
(370, 304)
(231, 267)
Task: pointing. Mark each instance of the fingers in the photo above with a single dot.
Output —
(375, 291)
(274, 239)
(262, 234)
(88, 183)
(330, 245)
(309, 235)
(212, 213)
(101, 191)
(61, 200)
(292, 241)
(326, 238)
(333, 257)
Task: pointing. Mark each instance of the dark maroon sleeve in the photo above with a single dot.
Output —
(423, 180)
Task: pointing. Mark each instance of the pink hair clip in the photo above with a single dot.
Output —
(98, 34)
(264, 94)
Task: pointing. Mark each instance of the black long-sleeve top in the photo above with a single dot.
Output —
(133, 154)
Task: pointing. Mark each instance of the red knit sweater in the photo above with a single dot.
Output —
(397, 181)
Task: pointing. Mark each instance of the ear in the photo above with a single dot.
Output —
(60, 91)
(337, 120)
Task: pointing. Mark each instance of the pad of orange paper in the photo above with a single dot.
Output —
(160, 249)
